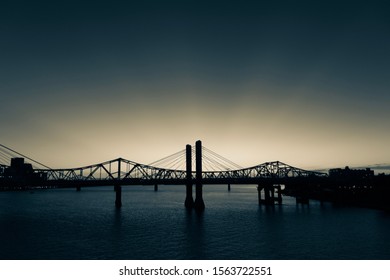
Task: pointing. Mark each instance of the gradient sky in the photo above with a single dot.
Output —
(303, 82)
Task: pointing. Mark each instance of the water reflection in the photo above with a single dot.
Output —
(194, 232)
(65, 224)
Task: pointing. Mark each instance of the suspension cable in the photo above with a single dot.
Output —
(9, 149)
(173, 161)
(223, 159)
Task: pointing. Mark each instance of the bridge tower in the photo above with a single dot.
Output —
(199, 203)
(189, 202)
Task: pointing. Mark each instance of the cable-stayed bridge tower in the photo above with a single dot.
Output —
(189, 202)
(199, 203)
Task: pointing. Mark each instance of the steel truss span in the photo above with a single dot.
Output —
(168, 171)
(173, 169)
(132, 172)
(117, 169)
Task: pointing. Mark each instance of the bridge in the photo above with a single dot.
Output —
(269, 177)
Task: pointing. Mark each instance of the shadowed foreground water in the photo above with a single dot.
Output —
(65, 224)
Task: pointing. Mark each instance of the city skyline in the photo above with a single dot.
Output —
(295, 81)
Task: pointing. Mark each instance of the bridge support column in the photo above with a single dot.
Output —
(301, 193)
(279, 189)
(269, 194)
(302, 200)
(78, 188)
(259, 194)
(267, 198)
(118, 187)
(118, 196)
(155, 187)
(189, 202)
(199, 203)
(229, 188)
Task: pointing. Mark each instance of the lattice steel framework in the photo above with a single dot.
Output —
(109, 170)
(117, 169)
(217, 169)
(275, 169)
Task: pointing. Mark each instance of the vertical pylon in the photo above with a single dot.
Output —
(189, 202)
(199, 203)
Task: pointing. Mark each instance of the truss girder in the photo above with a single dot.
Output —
(122, 169)
(274, 169)
(110, 171)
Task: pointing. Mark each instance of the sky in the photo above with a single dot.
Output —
(303, 82)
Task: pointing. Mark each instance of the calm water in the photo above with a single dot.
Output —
(65, 224)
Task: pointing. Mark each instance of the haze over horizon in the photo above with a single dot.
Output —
(306, 83)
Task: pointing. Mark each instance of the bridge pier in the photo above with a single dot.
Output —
(300, 191)
(259, 193)
(279, 189)
(269, 194)
(189, 202)
(118, 188)
(118, 196)
(302, 200)
(78, 188)
(155, 187)
(199, 203)
(229, 188)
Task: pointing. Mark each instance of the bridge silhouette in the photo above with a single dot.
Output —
(269, 177)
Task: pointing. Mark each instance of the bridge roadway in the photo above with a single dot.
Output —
(144, 182)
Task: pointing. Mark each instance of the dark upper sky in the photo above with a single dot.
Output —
(306, 82)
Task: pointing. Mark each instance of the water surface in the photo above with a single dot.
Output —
(66, 224)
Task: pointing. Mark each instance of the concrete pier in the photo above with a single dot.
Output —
(118, 196)
(259, 194)
(279, 189)
(269, 194)
(302, 200)
(118, 187)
